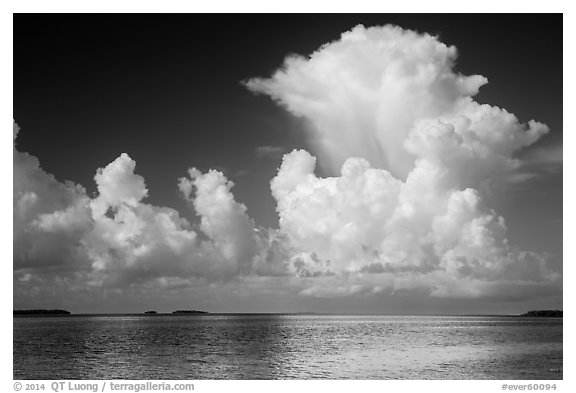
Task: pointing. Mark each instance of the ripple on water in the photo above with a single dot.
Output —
(287, 347)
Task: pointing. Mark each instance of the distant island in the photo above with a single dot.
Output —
(150, 312)
(544, 313)
(189, 312)
(41, 312)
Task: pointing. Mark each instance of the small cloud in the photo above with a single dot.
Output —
(241, 173)
(521, 177)
(550, 154)
(538, 162)
(272, 152)
(548, 159)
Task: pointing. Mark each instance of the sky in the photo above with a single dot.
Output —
(399, 164)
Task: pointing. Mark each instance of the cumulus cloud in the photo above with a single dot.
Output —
(223, 219)
(386, 94)
(411, 155)
(118, 185)
(116, 239)
(132, 240)
(49, 217)
(415, 155)
(421, 233)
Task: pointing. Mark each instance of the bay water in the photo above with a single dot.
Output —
(268, 346)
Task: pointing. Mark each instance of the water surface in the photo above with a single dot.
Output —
(286, 347)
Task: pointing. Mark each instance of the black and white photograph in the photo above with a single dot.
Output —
(297, 196)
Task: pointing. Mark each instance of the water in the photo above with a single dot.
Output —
(286, 347)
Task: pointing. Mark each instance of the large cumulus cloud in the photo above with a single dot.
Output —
(389, 95)
(375, 232)
(415, 156)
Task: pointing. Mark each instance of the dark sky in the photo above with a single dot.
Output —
(166, 89)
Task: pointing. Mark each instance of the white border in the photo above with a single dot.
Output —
(355, 6)
(259, 6)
